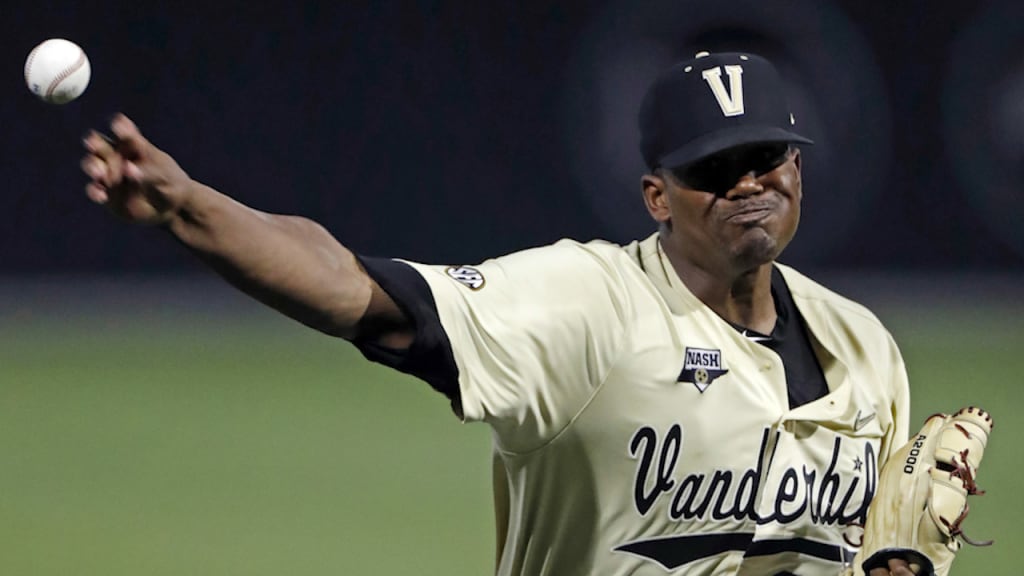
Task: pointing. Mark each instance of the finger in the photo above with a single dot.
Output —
(132, 171)
(98, 144)
(96, 193)
(896, 567)
(899, 567)
(131, 143)
(104, 150)
(94, 168)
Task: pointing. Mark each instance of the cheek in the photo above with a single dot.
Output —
(688, 208)
(790, 181)
(790, 187)
(792, 218)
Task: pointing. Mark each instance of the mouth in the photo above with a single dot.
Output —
(751, 214)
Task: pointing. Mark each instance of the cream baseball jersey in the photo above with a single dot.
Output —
(638, 433)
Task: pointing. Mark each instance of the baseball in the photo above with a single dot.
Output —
(57, 71)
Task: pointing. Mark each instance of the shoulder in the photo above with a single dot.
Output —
(567, 264)
(568, 254)
(811, 295)
(847, 329)
(560, 277)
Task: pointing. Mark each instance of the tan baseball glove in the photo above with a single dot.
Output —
(921, 502)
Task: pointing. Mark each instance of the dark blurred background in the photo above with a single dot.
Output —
(153, 421)
(455, 131)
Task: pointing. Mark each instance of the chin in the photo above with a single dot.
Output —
(757, 249)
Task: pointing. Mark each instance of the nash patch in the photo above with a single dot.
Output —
(701, 367)
(466, 275)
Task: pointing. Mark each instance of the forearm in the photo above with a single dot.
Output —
(289, 263)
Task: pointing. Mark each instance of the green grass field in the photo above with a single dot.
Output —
(169, 443)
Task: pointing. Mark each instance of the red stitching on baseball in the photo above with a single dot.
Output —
(65, 73)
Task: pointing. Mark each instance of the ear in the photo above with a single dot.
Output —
(655, 192)
(797, 162)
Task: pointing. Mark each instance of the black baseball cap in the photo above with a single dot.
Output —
(710, 103)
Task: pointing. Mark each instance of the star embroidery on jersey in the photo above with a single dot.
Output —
(857, 464)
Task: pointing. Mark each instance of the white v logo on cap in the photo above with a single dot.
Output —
(731, 101)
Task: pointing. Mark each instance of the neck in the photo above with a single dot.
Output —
(741, 296)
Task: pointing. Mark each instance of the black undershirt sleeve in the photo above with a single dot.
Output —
(430, 357)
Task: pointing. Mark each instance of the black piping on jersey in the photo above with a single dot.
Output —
(430, 356)
(800, 546)
(675, 551)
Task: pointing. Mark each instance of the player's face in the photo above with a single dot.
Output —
(733, 211)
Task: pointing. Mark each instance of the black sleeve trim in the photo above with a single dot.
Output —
(430, 357)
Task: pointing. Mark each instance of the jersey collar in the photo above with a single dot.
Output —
(656, 265)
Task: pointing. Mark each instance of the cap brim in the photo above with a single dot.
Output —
(728, 138)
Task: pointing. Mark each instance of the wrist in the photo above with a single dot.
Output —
(189, 204)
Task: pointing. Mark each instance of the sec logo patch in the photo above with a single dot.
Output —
(467, 275)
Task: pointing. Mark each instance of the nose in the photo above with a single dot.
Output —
(747, 185)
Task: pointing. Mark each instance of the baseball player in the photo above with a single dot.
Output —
(683, 404)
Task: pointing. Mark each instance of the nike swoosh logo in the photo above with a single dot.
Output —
(859, 422)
